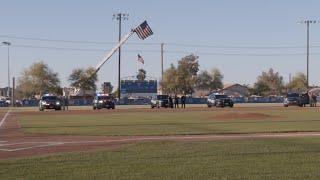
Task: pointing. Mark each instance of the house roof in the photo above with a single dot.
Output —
(226, 86)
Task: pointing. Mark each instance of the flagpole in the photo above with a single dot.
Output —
(137, 66)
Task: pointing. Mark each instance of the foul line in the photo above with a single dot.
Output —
(30, 147)
(4, 118)
(206, 137)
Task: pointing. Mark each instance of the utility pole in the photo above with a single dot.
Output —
(120, 17)
(13, 99)
(162, 44)
(8, 44)
(290, 79)
(308, 22)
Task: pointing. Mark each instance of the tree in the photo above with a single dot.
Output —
(169, 83)
(210, 81)
(103, 88)
(37, 80)
(187, 70)
(183, 78)
(116, 92)
(269, 83)
(141, 76)
(260, 88)
(204, 81)
(298, 83)
(217, 79)
(84, 79)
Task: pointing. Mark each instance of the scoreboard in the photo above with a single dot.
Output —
(135, 86)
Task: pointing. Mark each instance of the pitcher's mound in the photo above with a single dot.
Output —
(234, 116)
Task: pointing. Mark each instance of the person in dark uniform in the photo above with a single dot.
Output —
(66, 103)
(314, 100)
(176, 101)
(170, 102)
(183, 101)
(63, 103)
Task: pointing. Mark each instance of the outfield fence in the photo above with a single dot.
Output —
(146, 101)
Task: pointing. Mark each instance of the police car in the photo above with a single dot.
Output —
(103, 101)
(49, 101)
(160, 101)
(219, 100)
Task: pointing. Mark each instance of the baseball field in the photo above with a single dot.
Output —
(244, 142)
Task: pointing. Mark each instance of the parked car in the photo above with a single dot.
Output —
(103, 101)
(3, 103)
(18, 103)
(305, 99)
(294, 99)
(49, 101)
(219, 100)
(160, 101)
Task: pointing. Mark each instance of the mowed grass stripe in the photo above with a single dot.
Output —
(288, 158)
(173, 123)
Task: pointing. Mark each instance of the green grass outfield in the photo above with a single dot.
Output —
(155, 122)
(290, 158)
(3, 111)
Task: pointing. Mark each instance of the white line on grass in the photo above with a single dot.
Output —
(4, 118)
(205, 137)
(30, 147)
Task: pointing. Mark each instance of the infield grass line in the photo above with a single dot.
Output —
(4, 118)
(30, 147)
(172, 138)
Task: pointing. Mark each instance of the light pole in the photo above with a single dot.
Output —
(308, 22)
(162, 44)
(120, 17)
(8, 44)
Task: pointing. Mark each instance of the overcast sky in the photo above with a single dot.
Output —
(240, 37)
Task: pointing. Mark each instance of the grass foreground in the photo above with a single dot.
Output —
(290, 158)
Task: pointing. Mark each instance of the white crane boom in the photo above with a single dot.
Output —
(79, 91)
(143, 31)
(113, 50)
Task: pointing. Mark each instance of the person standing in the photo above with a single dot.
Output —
(183, 101)
(66, 103)
(176, 101)
(314, 100)
(170, 102)
(63, 102)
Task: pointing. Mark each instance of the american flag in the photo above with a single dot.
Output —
(140, 59)
(143, 31)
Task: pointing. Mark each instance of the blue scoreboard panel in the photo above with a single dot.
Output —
(133, 86)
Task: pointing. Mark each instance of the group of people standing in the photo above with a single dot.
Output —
(313, 100)
(174, 101)
(65, 103)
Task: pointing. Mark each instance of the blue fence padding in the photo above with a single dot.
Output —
(30, 102)
(80, 102)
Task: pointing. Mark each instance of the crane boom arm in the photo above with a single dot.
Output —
(113, 50)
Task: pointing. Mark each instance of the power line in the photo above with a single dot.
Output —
(238, 47)
(241, 54)
(167, 51)
(70, 41)
(59, 48)
(155, 43)
(75, 49)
